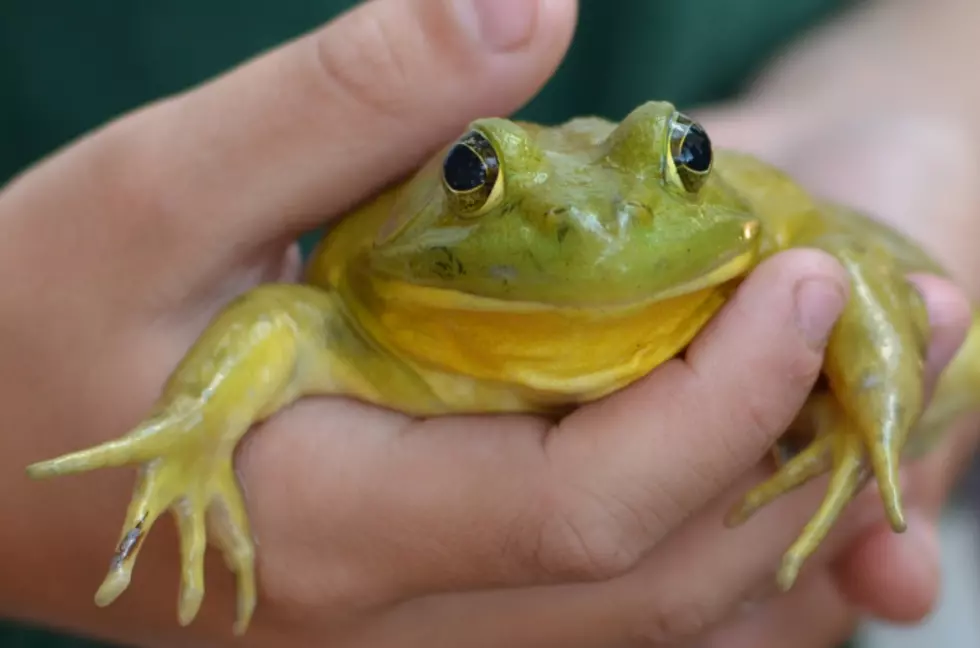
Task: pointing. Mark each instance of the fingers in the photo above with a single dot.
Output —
(894, 577)
(949, 321)
(456, 503)
(934, 476)
(812, 615)
(701, 574)
(695, 580)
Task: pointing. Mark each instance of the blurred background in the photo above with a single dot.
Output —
(68, 66)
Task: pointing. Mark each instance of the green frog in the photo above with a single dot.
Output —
(529, 268)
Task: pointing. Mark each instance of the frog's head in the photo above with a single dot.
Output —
(588, 213)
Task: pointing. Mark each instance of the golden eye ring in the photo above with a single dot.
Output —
(688, 153)
(471, 174)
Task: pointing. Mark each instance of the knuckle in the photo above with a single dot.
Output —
(762, 419)
(674, 623)
(244, 554)
(131, 179)
(586, 542)
(769, 412)
(801, 371)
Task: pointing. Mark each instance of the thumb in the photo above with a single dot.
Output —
(283, 142)
(660, 450)
(312, 127)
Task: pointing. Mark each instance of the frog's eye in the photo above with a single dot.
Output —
(688, 156)
(471, 174)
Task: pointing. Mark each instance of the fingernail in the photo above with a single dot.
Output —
(504, 25)
(819, 302)
(755, 596)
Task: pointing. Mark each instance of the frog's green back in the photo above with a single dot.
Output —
(70, 66)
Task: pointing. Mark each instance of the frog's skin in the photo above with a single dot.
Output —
(532, 269)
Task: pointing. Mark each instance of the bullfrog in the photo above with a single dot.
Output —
(533, 268)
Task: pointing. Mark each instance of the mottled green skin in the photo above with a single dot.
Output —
(593, 260)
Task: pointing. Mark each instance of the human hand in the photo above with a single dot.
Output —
(153, 223)
(368, 515)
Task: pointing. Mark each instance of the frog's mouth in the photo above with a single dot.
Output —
(710, 271)
(729, 267)
(392, 290)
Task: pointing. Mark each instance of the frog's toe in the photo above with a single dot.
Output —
(221, 499)
(232, 534)
(850, 470)
(885, 461)
(189, 514)
(187, 469)
(153, 494)
(812, 462)
(135, 447)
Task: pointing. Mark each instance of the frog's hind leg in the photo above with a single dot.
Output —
(874, 370)
(875, 364)
(263, 351)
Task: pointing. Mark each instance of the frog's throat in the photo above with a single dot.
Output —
(561, 354)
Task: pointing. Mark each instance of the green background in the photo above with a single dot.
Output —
(68, 66)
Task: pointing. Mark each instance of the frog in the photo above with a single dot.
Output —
(531, 268)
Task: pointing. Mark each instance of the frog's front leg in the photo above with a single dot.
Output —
(269, 347)
(874, 366)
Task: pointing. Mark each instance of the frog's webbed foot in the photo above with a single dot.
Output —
(859, 426)
(184, 468)
(242, 370)
(838, 449)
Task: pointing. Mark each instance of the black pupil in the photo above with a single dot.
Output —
(695, 152)
(463, 169)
